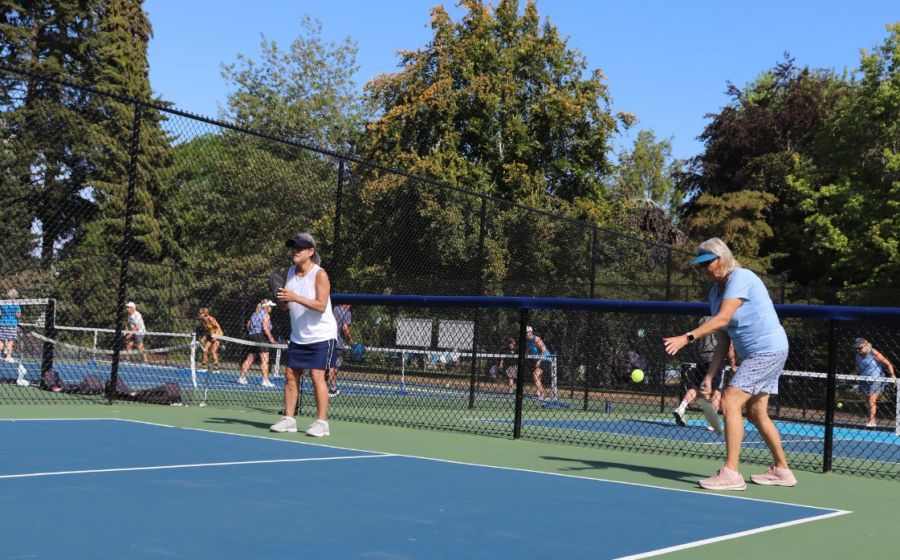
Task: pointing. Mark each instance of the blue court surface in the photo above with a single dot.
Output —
(123, 489)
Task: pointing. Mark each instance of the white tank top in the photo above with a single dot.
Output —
(308, 326)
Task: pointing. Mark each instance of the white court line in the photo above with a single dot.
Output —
(190, 466)
(731, 536)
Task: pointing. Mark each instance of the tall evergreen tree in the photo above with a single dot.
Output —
(121, 51)
(44, 122)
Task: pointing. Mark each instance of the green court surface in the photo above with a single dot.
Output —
(867, 532)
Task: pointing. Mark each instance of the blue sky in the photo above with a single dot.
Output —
(667, 62)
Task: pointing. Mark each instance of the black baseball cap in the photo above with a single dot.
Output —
(301, 241)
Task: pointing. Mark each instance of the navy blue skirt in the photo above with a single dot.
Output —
(318, 355)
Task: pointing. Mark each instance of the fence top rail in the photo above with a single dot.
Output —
(822, 312)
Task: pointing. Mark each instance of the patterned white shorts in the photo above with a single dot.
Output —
(759, 373)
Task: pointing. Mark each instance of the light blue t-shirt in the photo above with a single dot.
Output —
(754, 327)
(868, 365)
(9, 312)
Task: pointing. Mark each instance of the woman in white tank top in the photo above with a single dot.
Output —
(307, 296)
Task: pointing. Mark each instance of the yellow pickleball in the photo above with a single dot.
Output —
(637, 375)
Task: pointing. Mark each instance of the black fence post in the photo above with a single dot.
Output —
(520, 375)
(591, 364)
(476, 315)
(125, 252)
(830, 394)
(336, 254)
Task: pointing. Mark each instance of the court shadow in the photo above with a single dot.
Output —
(245, 422)
(592, 465)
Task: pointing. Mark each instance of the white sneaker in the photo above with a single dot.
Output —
(242, 381)
(286, 424)
(267, 383)
(872, 425)
(319, 428)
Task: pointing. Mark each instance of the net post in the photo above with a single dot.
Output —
(589, 366)
(194, 360)
(94, 349)
(50, 335)
(520, 375)
(276, 367)
(830, 393)
(897, 406)
(473, 373)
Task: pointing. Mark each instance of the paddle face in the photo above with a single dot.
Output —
(357, 351)
(276, 282)
(710, 413)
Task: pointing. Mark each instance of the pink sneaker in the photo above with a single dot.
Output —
(724, 479)
(775, 477)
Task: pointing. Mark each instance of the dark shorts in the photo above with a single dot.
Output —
(137, 338)
(259, 350)
(511, 371)
(696, 375)
(318, 355)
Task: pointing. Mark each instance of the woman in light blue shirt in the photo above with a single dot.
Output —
(871, 363)
(742, 313)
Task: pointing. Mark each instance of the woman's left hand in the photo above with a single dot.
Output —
(674, 344)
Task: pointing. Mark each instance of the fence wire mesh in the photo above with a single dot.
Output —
(108, 200)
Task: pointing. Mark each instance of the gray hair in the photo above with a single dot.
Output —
(718, 247)
(12, 293)
(860, 342)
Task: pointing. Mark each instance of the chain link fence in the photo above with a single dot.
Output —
(108, 200)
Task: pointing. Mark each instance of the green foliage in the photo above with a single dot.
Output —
(823, 149)
(851, 195)
(739, 219)
(44, 123)
(496, 103)
(236, 201)
(120, 48)
(647, 171)
(304, 94)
